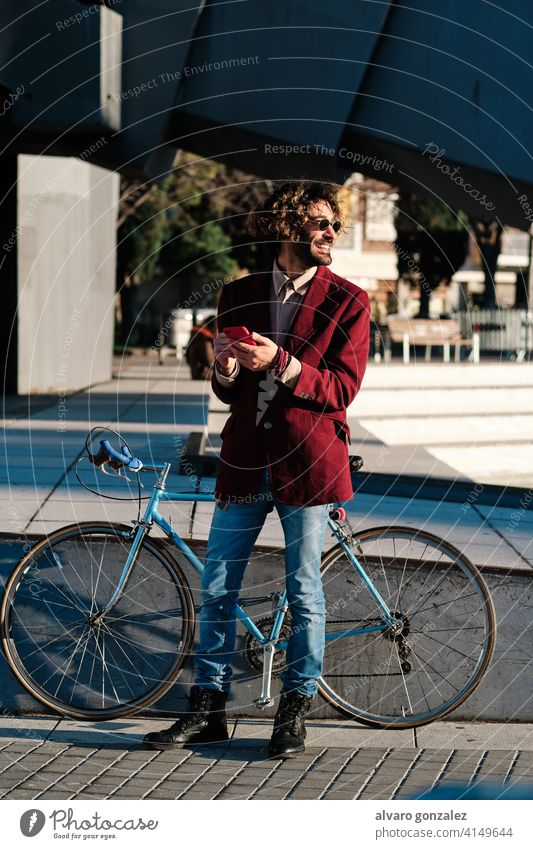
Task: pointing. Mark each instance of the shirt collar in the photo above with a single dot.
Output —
(299, 283)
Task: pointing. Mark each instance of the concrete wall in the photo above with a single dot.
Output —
(71, 76)
(504, 694)
(66, 221)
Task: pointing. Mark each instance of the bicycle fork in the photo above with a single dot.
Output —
(140, 530)
(97, 617)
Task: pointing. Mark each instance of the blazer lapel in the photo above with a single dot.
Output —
(256, 312)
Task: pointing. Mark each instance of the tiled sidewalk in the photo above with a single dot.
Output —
(65, 760)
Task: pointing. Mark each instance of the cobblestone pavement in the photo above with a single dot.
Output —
(49, 769)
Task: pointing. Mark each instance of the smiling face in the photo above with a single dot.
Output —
(314, 247)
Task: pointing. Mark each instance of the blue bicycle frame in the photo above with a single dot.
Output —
(269, 643)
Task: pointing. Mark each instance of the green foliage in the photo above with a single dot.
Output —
(417, 212)
(431, 244)
(190, 228)
(196, 255)
(142, 235)
(207, 191)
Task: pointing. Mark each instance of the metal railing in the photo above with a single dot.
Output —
(500, 330)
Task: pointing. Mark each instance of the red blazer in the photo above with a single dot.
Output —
(301, 433)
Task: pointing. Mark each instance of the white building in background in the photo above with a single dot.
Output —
(366, 255)
(513, 260)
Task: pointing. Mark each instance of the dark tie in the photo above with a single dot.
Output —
(286, 294)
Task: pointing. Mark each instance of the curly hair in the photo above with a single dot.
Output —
(281, 216)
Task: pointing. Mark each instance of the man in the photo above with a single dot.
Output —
(199, 353)
(284, 445)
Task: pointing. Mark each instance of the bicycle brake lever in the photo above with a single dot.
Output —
(119, 474)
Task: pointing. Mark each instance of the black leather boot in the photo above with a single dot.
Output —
(204, 721)
(289, 726)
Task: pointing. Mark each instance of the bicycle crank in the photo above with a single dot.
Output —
(253, 649)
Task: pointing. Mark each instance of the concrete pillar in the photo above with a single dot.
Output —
(60, 263)
(8, 273)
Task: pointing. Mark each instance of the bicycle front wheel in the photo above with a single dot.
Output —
(438, 650)
(105, 669)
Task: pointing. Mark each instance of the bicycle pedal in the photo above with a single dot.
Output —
(263, 703)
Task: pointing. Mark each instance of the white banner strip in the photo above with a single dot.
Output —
(235, 824)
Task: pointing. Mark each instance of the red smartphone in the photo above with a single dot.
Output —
(239, 334)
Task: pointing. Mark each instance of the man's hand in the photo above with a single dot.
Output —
(256, 357)
(224, 353)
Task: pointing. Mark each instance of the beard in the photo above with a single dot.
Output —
(307, 252)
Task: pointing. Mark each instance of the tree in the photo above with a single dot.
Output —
(431, 244)
(198, 193)
(142, 233)
(142, 230)
(185, 229)
(488, 235)
(201, 189)
(196, 254)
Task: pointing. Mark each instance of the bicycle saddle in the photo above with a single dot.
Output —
(356, 463)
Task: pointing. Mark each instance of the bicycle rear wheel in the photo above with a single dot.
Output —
(434, 659)
(105, 670)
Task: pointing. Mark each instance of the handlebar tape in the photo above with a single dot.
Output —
(116, 459)
(125, 456)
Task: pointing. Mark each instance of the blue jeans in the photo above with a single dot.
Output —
(232, 536)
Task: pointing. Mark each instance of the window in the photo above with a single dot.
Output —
(515, 243)
(379, 218)
(346, 238)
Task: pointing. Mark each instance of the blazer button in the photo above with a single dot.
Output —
(267, 425)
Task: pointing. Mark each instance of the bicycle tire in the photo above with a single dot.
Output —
(447, 635)
(89, 671)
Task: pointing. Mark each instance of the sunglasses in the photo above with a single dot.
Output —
(324, 223)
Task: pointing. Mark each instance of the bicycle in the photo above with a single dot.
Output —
(97, 620)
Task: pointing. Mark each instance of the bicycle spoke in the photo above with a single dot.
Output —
(104, 671)
(72, 600)
(66, 663)
(90, 669)
(403, 679)
(75, 680)
(40, 648)
(439, 674)
(449, 647)
(400, 582)
(431, 656)
(421, 669)
(468, 628)
(427, 578)
(442, 603)
(433, 589)
(133, 645)
(128, 660)
(81, 582)
(413, 576)
(149, 616)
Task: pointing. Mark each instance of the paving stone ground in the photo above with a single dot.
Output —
(44, 768)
